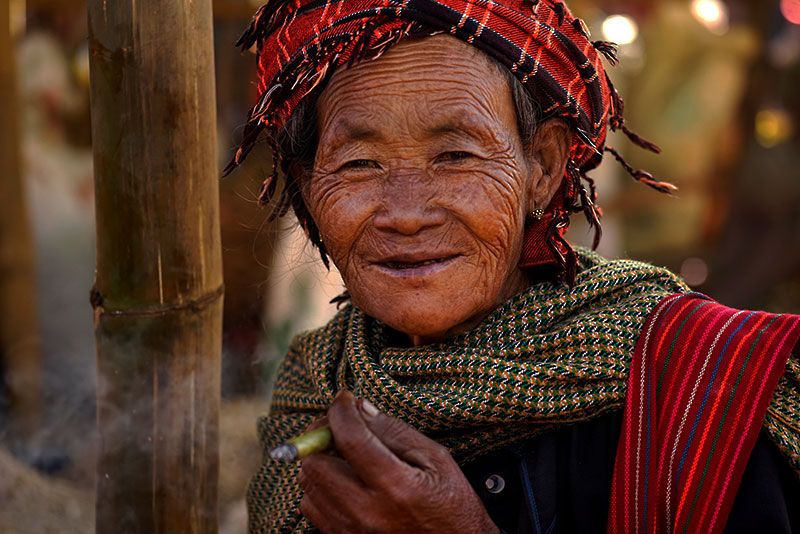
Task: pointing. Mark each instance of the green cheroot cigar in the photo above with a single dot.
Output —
(303, 445)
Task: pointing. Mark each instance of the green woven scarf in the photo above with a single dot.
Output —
(550, 356)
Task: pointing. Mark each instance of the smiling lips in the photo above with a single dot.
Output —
(416, 264)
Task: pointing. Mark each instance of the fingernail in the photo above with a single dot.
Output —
(368, 408)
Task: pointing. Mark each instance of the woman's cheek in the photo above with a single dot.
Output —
(343, 221)
(498, 224)
(338, 208)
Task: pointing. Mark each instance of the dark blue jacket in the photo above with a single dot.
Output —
(560, 482)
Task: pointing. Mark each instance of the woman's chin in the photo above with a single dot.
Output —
(430, 302)
(424, 317)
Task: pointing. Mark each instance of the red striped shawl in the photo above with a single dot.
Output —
(701, 381)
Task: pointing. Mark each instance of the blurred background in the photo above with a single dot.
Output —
(715, 82)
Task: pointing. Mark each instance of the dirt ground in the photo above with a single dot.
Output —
(36, 504)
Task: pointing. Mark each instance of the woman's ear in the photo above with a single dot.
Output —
(549, 152)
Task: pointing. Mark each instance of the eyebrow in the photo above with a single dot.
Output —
(450, 128)
(347, 132)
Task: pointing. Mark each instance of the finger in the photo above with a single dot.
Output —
(332, 478)
(370, 459)
(318, 423)
(406, 442)
(322, 521)
(332, 499)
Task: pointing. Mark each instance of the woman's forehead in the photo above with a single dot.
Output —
(445, 82)
(438, 59)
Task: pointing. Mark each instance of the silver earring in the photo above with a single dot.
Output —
(537, 214)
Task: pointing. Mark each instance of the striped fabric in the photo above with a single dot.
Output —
(553, 356)
(302, 42)
(701, 384)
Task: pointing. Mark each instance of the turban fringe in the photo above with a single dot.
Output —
(300, 44)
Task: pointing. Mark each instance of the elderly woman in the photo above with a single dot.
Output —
(483, 375)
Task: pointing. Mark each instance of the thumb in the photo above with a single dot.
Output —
(318, 423)
(406, 442)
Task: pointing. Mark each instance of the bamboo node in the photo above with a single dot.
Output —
(195, 305)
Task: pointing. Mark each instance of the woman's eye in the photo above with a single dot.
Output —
(453, 157)
(360, 164)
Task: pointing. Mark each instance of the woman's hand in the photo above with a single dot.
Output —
(388, 478)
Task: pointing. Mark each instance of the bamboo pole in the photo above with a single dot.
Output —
(158, 289)
(19, 325)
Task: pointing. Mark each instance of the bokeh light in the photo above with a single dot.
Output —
(713, 14)
(620, 29)
(694, 271)
(773, 127)
(791, 10)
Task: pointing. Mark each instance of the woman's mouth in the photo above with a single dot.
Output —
(408, 268)
(412, 265)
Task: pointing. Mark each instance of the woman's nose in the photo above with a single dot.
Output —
(409, 207)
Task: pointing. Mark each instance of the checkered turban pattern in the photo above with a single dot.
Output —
(301, 43)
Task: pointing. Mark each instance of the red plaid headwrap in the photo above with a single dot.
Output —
(300, 44)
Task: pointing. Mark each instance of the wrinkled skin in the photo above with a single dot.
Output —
(420, 188)
(420, 158)
(388, 478)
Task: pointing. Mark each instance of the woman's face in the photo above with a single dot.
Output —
(421, 186)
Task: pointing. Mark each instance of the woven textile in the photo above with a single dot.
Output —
(548, 357)
(700, 386)
(302, 42)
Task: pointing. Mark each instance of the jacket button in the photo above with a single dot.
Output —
(495, 484)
